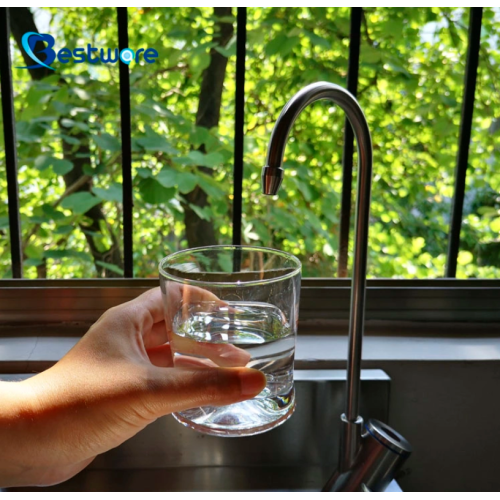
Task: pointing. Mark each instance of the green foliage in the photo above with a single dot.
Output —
(410, 87)
(79, 203)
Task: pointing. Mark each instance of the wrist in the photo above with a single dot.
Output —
(17, 417)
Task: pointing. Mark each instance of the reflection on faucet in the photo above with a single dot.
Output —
(366, 461)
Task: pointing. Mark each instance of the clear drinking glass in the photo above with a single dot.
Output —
(232, 306)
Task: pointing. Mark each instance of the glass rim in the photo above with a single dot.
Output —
(188, 281)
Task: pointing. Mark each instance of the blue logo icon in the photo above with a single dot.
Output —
(79, 54)
(127, 56)
(29, 41)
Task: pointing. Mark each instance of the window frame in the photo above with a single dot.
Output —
(323, 301)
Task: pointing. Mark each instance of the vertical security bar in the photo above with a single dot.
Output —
(347, 154)
(470, 78)
(239, 122)
(9, 132)
(128, 201)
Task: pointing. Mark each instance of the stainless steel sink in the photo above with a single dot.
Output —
(300, 455)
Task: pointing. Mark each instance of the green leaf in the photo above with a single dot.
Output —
(34, 95)
(62, 167)
(4, 222)
(144, 172)
(200, 159)
(33, 251)
(281, 45)
(318, 40)
(168, 177)
(213, 159)
(60, 107)
(154, 193)
(399, 69)
(211, 187)
(59, 166)
(371, 54)
(80, 203)
(88, 170)
(61, 254)
(107, 142)
(66, 229)
(200, 136)
(38, 219)
(198, 61)
(273, 47)
(29, 132)
(111, 267)
(94, 234)
(202, 213)
(32, 262)
(44, 119)
(68, 123)
(113, 193)
(156, 143)
(230, 49)
(219, 206)
(43, 162)
(70, 140)
(52, 212)
(144, 109)
(184, 181)
(82, 94)
(305, 188)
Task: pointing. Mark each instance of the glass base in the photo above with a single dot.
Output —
(247, 418)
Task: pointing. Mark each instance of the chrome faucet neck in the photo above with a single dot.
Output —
(272, 175)
(366, 462)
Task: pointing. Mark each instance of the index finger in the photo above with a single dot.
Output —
(149, 305)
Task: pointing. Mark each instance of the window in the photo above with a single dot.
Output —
(185, 138)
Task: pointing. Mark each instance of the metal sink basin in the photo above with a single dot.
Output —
(300, 455)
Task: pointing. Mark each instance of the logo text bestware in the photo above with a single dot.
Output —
(88, 54)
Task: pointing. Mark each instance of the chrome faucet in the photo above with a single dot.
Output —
(371, 453)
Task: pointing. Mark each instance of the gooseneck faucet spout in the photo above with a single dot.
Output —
(272, 176)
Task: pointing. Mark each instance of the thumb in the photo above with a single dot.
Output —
(178, 389)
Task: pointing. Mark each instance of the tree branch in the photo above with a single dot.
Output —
(200, 232)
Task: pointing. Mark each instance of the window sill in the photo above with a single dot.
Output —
(34, 354)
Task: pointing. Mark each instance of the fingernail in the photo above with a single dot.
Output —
(252, 382)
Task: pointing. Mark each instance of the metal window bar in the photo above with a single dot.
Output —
(239, 122)
(348, 151)
(9, 132)
(126, 136)
(470, 78)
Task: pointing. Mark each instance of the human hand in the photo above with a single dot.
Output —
(118, 379)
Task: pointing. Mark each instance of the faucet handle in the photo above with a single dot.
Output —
(382, 453)
(388, 437)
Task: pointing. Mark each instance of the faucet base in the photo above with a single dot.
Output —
(382, 453)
